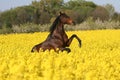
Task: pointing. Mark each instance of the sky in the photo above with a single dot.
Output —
(8, 4)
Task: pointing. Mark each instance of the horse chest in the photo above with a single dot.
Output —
(61, 35)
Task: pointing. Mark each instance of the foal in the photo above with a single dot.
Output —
(57, 37)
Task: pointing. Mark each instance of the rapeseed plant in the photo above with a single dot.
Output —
(98, 59)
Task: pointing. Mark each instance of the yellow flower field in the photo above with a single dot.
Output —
(98, 59)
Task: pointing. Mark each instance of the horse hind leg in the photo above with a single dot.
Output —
(33, 49)
(65, 49)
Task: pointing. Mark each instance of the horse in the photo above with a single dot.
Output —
(57, 38)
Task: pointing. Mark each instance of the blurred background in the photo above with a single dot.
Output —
(37, 15)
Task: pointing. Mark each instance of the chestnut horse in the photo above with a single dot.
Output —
(57, 37)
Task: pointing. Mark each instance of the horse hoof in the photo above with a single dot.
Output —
(80, 45)
(68, 50)
(32, 51)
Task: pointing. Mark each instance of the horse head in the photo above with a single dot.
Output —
(65, 19)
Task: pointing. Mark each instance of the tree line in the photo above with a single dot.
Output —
(45, 11)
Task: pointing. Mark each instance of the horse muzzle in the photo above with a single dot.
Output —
(74, 23)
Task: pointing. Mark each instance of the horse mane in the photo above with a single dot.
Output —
(52, 28)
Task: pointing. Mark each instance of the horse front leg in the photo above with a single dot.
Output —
(71, 38)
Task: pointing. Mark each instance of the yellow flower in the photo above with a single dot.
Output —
(97, 59)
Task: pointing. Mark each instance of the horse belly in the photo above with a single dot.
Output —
(52, 44)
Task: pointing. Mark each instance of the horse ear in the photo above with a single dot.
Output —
(60, 12)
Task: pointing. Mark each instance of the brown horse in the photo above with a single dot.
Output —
(57, 37)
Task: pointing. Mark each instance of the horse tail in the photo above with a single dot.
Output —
(36, 48)
(33, 49)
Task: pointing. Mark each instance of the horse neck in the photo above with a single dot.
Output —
(59, 29)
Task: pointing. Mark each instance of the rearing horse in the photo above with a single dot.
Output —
(57, 37)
